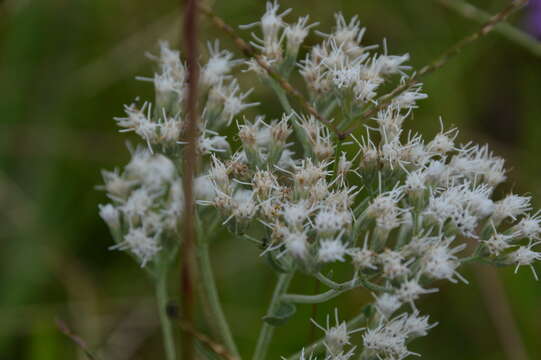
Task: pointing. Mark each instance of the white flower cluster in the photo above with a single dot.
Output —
(147, 197)
(394, 206)
(146, 203)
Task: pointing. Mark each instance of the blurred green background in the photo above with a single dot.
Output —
(66, 68)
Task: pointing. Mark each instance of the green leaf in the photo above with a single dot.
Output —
(281, 315)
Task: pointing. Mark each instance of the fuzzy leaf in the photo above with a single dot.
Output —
(281, 315)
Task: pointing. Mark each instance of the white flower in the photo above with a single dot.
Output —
(329, 221)
(511, 206)
(440, 263)
(331, 250)
(203, 188)
(498, 243)
(408, 99)
(318, 136)
(139, 202)
(393, 264)
(385, 341)
(154, 171)
(271, 21)
(296, 214)
(365, 90)
(529, 226)
(264, 183)
(219, 64)
(296, 244)
(110, 215)
(443, 142)
(416, 326)
(479, 202)
(363, 258)
(337, 336)
(525, 256)
(140, 123)
(230, 98)
(387, 304)
(116, 185)
(392, 64)
(245, 207)
(296, 33)
(143, 246)
(436, 172)
(415, 183)
(410, 291)
(208, 144)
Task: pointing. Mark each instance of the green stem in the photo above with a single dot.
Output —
(299, 131)
(313, 299)
(210, 297)
(505, 29)
(267, 330)
(337, 157)
(336, 289)
(207, 286)
(167, 331)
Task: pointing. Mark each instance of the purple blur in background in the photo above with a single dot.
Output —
(534, 18)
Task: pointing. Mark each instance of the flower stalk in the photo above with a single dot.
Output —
(267, 331)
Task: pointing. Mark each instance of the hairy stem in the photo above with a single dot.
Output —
(190, 34)
(210, 297)
(267, 330)
(167, 330)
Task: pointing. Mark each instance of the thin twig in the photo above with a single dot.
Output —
(312, 332)
(440, 61)
(250, 52)
(499, 309)
(509, 31)
(218, 349)
(190, 162)
(64, 328)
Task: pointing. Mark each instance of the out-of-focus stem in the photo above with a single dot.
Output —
(513, 34)
(440, 61)
(167, 330)
(267, 330)
(211, 299)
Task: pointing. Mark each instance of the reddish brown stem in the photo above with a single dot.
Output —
(189, 170)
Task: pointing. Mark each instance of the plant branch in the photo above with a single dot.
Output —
(190, 162)
(167, 331)
(509, 31)
(267, 330)
(216, 348)
(64, 328)
(313, 299)
(210, 297)
(250, 52)
(440, 61)
(360, 281)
